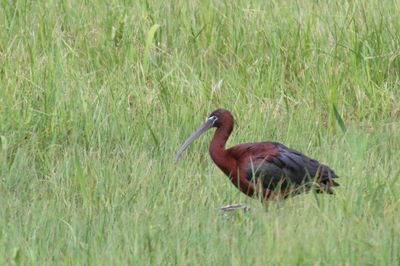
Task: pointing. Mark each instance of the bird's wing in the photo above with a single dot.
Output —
(266, 150)
(302, 166)
(273, 158)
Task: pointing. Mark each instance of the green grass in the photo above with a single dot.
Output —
(95, 100)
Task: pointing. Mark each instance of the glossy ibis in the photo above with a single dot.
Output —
(263, 169)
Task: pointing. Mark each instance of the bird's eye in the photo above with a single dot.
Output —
(213, 119)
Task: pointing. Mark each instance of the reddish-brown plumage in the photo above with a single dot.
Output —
(263, 167)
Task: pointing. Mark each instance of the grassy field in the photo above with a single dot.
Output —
(95, 100)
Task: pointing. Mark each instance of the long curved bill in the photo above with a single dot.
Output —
(207, 125)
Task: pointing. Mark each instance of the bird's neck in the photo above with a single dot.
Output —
(219, 154)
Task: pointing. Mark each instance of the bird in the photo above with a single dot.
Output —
(267, 170)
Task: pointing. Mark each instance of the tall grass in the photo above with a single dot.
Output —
(96, 98)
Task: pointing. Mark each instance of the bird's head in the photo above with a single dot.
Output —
(220, 118)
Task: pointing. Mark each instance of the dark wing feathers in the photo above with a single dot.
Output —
(275, 163)
(301, 165)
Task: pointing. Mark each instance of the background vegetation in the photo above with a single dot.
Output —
(97, 96)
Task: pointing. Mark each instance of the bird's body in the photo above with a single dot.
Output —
(263, 168)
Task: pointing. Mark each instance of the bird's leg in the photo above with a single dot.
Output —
(271, 195)
(268, 196)
(260, 192)
(264, 194)
(233, 207)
